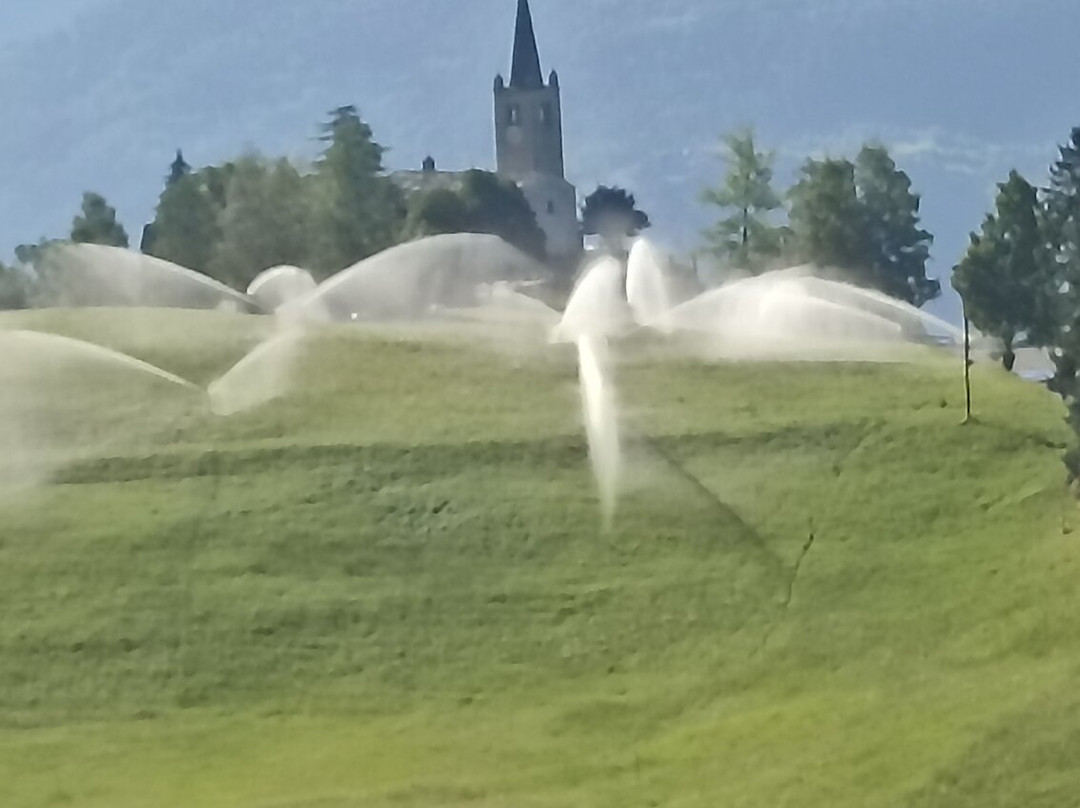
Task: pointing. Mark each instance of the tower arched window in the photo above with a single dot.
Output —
(513, 115)
(546, 115)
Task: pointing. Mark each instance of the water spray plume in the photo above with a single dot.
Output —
(597, 307)
(791, 314)
(505, 297)
(43, 426)
(280, 286)
(914, 322)
(98, 275)
(601, 422)
(262, 376)
(476, 285)
(415, 280)
(430, 287)
(647, 287)
(45, 346)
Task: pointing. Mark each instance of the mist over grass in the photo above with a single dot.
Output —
(391, 586)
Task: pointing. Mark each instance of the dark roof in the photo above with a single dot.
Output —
(525, 72)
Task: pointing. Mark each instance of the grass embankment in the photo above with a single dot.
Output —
(391, 589)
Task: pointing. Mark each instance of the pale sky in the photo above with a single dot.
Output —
(99, 93)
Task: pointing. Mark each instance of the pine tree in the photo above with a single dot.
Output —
(827, 217)
(863, 219)
(356, 209)
(1061, 221)
(1000, 277)
(1062, 207)
(96, 224)
(898, 248)
(746, 238)
(185, 229)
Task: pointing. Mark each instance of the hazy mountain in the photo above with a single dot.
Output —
(99, 93)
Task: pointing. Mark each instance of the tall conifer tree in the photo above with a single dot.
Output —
(746, 238)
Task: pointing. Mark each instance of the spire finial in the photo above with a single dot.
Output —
(525, 72)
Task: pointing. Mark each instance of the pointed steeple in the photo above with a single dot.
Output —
(525, 73)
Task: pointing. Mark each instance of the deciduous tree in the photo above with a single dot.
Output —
(483, 203)
(97, 224)
(439, 210)
(14, 288)
(612, 214)
(263, 221)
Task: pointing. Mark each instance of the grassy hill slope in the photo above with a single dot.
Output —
(391, 587)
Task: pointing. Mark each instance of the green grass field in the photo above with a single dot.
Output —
(392, 587)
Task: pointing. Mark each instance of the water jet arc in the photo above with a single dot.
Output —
(601, 422)
(89, 350)
(91, 275)
(414, 280)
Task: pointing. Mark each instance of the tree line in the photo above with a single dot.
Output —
(1019, 279)
(1020, 276)
(858, 218)
(234, 220)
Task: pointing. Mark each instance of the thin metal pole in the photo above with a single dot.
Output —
(967, 367)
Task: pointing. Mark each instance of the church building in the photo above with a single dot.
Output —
(529, 140)
(528, 145)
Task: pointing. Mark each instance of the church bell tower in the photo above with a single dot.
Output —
(529, 141)
(528, 113)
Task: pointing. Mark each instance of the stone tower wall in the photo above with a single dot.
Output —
(554, 201)
(528, 131)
